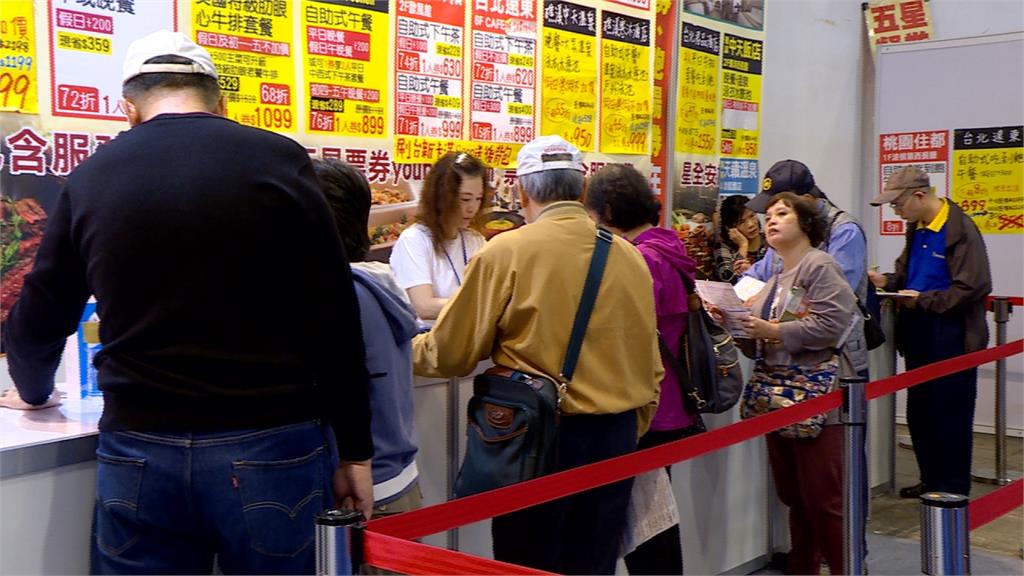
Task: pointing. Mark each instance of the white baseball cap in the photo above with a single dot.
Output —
(166, 43)
(548, 153)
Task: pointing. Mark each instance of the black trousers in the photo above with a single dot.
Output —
(663, 553)
(940, 412)
(578, 534)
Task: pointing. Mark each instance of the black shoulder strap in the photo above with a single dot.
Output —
(590, 288)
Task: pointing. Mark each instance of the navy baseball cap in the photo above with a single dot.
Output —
(785, 176)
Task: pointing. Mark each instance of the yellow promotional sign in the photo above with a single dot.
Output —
(569, 73)
(345, 48)
(18, 87)
(697, 93)
(988, 177)
(252, 45)
(625, 84)
(741, 96)
(419, 150)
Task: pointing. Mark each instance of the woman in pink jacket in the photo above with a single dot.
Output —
(620, 199)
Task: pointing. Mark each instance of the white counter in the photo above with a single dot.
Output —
(731, 517)
(47, 484)
(725, 498)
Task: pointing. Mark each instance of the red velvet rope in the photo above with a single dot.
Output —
(1014, 300)
(994, 504)
(408, 557)
(886, 386)
(462, 511)
(386, 541)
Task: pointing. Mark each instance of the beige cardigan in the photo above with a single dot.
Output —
(831, 306)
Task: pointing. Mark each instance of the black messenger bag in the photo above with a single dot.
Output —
(512, 418)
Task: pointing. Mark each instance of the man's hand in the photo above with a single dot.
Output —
(878, 279)
(11, 399)
(353, 487)
(910, 302)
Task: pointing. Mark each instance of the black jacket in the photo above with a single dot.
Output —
(224, 295)
(967, 261)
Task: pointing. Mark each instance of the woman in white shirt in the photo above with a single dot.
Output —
(430, 257)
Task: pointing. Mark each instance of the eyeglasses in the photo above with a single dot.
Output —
(900, 200)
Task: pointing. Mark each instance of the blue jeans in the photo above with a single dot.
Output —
(167, 503)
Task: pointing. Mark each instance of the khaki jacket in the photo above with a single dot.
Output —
(517, 303)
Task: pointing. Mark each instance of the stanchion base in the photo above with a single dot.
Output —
(988, 476)
(904, 442)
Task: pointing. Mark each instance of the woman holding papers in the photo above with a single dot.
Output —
(797, 325)
(620, 199)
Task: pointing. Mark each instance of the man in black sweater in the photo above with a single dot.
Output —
(230, 329)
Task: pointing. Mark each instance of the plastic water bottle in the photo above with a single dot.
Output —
(88, 346)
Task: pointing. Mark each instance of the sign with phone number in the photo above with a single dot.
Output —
(343, 42)
(18, 87)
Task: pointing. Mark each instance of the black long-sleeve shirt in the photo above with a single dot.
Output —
(224, 295)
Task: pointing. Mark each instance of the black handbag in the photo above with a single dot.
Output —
(874, 336)
(512, 418)
(712, 380)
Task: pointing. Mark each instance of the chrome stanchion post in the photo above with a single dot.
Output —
(452, 467)
(339, 547)
(855, 479)
(1002, 309)
(889, 327)
(945, 547)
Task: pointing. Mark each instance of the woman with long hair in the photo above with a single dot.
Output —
(430, 257)
(742, 242)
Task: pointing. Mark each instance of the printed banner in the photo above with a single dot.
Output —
(252, 45)
(640, 4)
(745, 13)
(694, 202)
(697, 92)
(345, 48)
(504, 67)
(928, 150)
(429, 64)
(415, 150)
(739, 177)
(18, 64)
(569, 72)
(625, 84)
(741, 96)
(897, 21)
(88, 44)
(664, 59)
(988, 177)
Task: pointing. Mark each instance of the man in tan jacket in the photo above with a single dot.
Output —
(516, 306)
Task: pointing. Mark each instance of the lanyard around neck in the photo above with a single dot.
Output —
(465, 258)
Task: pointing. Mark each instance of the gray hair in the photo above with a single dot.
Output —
(553, 185)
